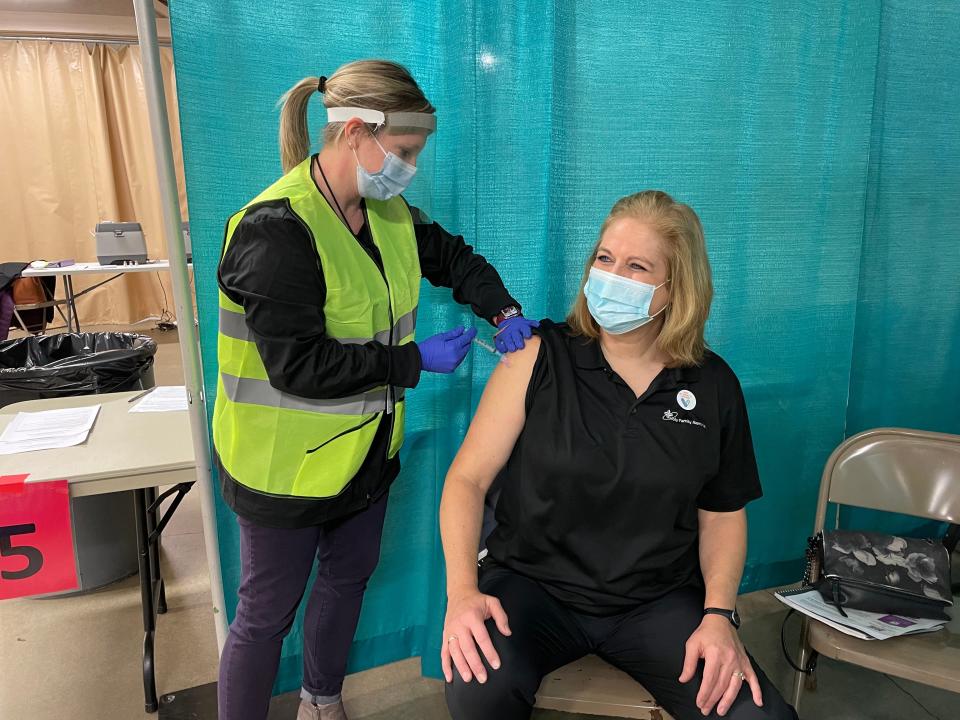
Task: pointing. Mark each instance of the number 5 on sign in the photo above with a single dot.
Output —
(36, 538)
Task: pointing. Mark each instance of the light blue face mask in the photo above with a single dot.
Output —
(391, 180)
(619, 304)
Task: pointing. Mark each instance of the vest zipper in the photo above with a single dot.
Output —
(391, 396)
(391, 415)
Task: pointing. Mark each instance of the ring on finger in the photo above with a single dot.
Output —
(740, 675)
(451, 638)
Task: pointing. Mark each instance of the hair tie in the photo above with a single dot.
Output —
(322, 84)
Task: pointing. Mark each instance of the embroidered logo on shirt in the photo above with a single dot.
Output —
(671, 416)
(686, 399)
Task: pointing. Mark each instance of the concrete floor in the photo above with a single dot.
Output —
(79, 657)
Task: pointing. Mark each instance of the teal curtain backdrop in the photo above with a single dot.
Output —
(818, 143)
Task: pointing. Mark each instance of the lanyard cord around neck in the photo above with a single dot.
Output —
(343, 215)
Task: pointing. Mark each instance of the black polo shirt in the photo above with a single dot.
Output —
(600, 496)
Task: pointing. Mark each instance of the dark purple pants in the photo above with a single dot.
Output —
(276, 565)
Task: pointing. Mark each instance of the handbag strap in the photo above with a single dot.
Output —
(812, 665)
(835, 592)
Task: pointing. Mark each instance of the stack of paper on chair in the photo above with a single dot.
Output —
(858, 623)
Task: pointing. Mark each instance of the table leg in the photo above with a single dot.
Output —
(66, 294)
(71, 303)
(146, 600)
(154, 545)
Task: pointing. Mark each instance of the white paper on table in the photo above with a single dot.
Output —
(165, 398)
(858, 623)
(48, 429)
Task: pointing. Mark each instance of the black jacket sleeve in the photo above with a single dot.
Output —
(446, 260)
(273, 270)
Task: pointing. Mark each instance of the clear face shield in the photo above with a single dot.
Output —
(396, 175)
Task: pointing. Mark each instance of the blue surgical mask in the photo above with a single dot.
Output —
(391, 180)
(619, 304)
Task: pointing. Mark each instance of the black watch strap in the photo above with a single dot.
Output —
(732, 615)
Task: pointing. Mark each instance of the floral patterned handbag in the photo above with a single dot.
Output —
(880, 573)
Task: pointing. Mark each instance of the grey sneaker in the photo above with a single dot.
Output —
(309, 711)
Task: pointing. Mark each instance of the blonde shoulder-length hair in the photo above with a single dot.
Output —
(691, 289)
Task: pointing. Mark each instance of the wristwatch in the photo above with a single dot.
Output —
(511, 311)
(732, 615)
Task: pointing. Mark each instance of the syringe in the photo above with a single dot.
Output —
(490, 348)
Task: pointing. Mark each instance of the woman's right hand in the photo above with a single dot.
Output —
(464, 629)
(443, 353)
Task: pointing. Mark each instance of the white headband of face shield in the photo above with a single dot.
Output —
(424, 121)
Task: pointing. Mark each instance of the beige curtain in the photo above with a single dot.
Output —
(75, 149)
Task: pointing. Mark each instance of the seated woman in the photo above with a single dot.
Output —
(627, 463)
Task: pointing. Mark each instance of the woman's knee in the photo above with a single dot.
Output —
(774, 708)
(352, 571)
(508, 693)
(505, 696)
(752, 712)
(260, 620)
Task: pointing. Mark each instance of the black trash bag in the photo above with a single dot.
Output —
(74, 364)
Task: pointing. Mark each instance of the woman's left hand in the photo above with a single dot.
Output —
(512, 332)
(716, 641)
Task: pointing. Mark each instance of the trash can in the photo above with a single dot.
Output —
(71, 364)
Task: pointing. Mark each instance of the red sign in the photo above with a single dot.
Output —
(36, 538)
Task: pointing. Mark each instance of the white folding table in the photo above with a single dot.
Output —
(67, 273)
(124, 451)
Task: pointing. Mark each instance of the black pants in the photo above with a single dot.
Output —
(647, 643)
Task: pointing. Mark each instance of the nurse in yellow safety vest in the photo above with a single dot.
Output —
(319, 282)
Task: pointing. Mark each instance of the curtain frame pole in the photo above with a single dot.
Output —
(84, 39)
(189, 342)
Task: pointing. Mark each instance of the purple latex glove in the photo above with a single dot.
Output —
(512, 332)
(443, 353)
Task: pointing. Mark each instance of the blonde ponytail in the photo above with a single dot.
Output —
(376, 84)
(294, 134)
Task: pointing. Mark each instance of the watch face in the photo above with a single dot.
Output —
(735, 618)
(509, 312)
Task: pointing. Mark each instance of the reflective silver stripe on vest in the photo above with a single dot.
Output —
(401, 328)
(405, 325)
(234, 325)
(261, 392)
